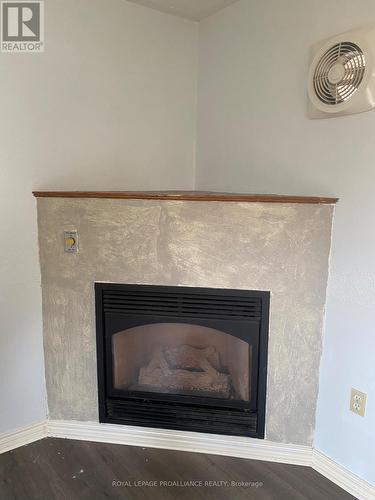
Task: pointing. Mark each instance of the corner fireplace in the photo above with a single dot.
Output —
(182, 358)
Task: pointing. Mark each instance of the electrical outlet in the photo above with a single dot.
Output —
(358, 402)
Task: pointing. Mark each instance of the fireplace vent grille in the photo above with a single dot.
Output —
(202, 419)
(182, 304)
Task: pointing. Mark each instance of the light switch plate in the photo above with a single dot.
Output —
(71, 241)
(358, 402)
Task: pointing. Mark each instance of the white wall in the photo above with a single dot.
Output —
(111, 104)
(253, 136)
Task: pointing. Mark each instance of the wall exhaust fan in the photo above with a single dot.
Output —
(342, 75)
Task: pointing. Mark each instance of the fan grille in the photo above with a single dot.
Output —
(339, 73)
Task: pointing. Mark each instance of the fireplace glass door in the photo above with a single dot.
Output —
(184, 359)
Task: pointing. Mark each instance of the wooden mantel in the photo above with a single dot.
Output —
(186, 195)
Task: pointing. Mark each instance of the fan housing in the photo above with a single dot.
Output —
(341, 78)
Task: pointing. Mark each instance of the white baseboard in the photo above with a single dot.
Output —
(233, 446)
(255, 449)
(339, 475)
(20, 437)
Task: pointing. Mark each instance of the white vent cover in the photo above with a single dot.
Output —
(341, 78)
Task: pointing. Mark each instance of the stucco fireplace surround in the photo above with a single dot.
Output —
(278, 245)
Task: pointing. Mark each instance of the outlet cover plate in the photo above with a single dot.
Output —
(358, 402)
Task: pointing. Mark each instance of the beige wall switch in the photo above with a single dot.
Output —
(71, 241)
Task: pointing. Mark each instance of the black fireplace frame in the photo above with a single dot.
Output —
(201, 414)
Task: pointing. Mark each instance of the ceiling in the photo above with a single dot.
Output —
(191, 9)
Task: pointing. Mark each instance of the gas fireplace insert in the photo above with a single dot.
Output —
(182, 357)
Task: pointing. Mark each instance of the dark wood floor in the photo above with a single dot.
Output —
(62, 469)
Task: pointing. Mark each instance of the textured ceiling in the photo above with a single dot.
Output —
(191, 9)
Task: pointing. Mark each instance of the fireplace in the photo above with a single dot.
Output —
(182, 358)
